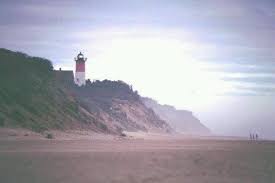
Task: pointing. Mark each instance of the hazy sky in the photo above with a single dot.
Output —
(214, 57)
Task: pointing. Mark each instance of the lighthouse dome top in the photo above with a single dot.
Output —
(80, 57)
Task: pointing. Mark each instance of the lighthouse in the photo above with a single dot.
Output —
(80, 70)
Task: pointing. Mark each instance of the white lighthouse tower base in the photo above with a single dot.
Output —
(80, 78)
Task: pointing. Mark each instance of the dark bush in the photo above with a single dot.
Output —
(123, 135)
(103, 127)
(49, 136)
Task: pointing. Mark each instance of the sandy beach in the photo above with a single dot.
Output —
(136, 159)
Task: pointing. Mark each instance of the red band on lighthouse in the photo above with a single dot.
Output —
(80, 67)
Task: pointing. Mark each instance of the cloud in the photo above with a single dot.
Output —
(258, 80)
(231, 37)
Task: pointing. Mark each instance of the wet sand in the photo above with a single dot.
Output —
(117, 160)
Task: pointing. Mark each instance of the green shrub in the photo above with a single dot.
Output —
(17, 116)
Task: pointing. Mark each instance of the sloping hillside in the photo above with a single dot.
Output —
(181, 120)
(31, 97)
(34, 96)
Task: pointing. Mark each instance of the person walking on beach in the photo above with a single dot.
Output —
(256, 136)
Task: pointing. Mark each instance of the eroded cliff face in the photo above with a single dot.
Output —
(115, 104)
(181, 120)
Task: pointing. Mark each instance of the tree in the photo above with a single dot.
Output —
(88, 82)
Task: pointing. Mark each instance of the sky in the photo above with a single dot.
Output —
(213, 57)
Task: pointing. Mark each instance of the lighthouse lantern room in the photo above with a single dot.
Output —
(80, 70)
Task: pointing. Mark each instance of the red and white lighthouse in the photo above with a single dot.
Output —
(80, 70)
